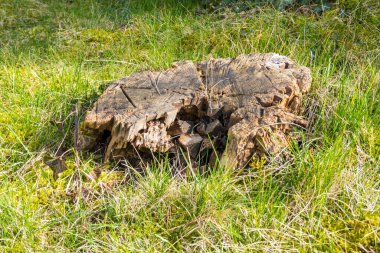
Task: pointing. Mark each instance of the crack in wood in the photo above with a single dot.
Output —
(127, 96)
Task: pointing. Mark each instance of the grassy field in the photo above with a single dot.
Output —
(324, 198)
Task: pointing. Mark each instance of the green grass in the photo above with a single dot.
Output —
(324, 198)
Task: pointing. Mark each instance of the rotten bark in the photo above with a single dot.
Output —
(253, 99)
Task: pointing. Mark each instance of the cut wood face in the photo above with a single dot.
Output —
(238, 108)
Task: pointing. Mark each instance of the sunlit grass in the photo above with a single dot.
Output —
(324, 197)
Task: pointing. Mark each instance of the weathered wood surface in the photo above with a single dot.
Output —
(253, 99)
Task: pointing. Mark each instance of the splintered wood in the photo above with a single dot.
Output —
(233, 108)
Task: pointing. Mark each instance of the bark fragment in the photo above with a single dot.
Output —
(253, 99)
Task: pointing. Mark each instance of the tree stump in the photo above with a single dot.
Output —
(238, 108)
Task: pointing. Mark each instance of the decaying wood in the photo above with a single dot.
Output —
(253, 99)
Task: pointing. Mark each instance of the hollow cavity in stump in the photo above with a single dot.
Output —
(236, 108)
